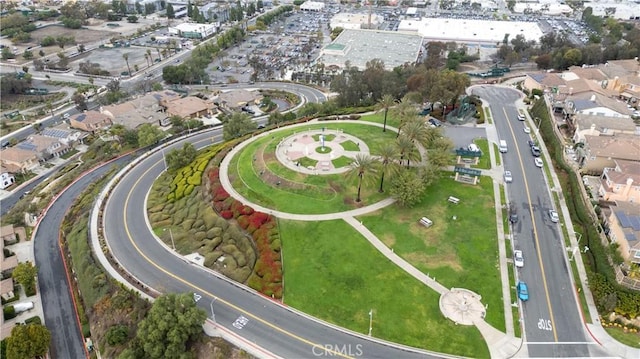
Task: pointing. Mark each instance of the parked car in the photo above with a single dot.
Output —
(553, 215)
(518, 259)
(523, 291)
(507, 177)
(531, 143)
(538, 162)
(521, 117)
(513, 213)
(527, 129)
(535, 150)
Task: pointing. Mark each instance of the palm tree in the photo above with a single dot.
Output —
(126, 59)
(146, 57)
(149, 55)
(384, 104)
(360, 166)
(405, 110)
(158, 50)
(406, 149)
(387, 156)
(415, 130)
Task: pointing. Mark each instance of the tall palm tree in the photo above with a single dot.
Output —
(384, 104)
(415, 130)
(406, 149)
(405, 110)
(388, 154)
(360, 167)
(146, 57)
(149, 55)
(158, 50)
(126, 59)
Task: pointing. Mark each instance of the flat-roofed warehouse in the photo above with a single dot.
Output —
(360, 46)
(471, 31)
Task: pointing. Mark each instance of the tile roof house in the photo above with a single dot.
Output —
(624, 229)
(544, 81)
(6, 178)
(622, 182)
(145, 109)
(236, 99)
(600, 152)
(16, 159)
(595, 125)
(594, 103)
(188, 107)
(45, 147)
(8, 236)
(90, 121)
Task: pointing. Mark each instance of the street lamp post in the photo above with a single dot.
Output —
(370, 321)
(213, 315)
(164, 160)
(537, 119)
(173, 244)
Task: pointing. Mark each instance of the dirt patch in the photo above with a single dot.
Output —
(217, 348)
(82, 36)
(389, 240)
(441, 259)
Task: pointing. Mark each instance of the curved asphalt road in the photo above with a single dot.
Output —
(552, 321)
(286, 333)
(57, 303)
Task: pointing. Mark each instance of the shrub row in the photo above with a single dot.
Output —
(267, 273)
(189, 177)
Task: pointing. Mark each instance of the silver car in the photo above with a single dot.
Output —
(507, 177)
(553, 215)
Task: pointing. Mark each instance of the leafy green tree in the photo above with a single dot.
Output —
(28, 341)
(28, 55)
(156, 86)
(238, 125)
(179, 158)
(172, 322)
(149, 135)
(362, 167)
(385, 103)
(132, 19)
(407, 188)
(171, 14)
(406, 149)
(25, 274)
(80, 101)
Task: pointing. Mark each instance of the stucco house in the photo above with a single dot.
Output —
(64, 134)
(593, 103)
(600, 152)
(144, 109)
(90, 121)
(624, 229)
(45, 147)
(17, 159)
(597, 125)
(622, 182)
(188, 107)
(236, 99)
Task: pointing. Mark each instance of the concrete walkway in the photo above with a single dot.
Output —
(464, 307)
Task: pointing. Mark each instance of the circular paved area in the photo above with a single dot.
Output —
(309, 143)
(462, 306)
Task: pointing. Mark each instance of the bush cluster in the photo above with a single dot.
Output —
(190, 176)
(267, 274)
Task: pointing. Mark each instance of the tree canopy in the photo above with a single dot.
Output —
(28, 341)
(25, 274)
(172, 322)
(238, 125)
(178, 158)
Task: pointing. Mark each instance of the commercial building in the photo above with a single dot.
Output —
(361, 46)
(193, 30)
(312, 6)
(469, 31)
(356, 21)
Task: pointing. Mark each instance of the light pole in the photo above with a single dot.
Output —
(537, 119)
(171, 236)
(213, 315)
(370, 321)
(580, 236)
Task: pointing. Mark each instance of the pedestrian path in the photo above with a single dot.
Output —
(460, 305)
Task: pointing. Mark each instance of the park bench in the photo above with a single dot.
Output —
(426, 222)
(454, 200)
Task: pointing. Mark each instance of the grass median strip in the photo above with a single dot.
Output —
(333, 273)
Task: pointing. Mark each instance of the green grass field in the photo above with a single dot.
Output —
(630, 339)
(304, 194)
(458, 253)
(333, 273)
(485, 159)
(378, 117)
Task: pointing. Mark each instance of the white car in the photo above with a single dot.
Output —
(507, 177)
(538, 162)
(527, 129)
(553, 215)
(518, 259)
(521, 117)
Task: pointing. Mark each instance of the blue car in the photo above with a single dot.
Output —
(523, 291)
